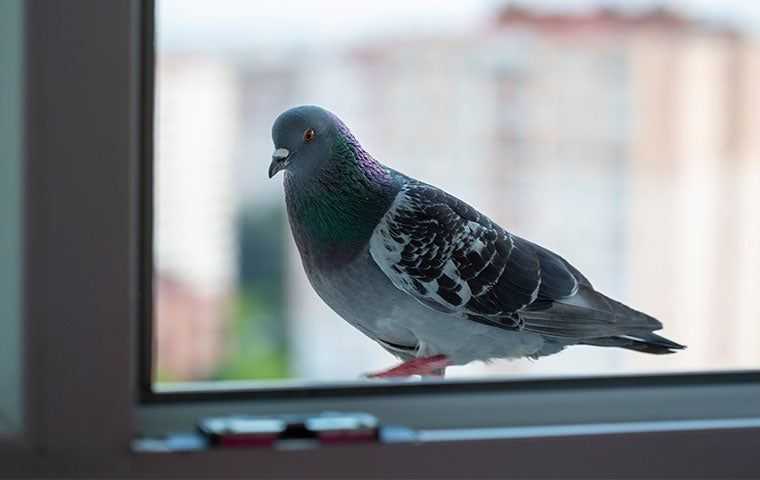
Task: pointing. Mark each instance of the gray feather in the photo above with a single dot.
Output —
(588, 314)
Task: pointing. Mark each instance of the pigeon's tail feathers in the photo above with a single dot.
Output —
(591, 318)
(647, 343)
(658, 340)
(586, 315)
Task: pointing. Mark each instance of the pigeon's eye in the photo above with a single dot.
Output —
(309, 135)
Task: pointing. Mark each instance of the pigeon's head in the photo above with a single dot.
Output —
(303, 138)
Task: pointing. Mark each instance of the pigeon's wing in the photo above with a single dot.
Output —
(455, 260)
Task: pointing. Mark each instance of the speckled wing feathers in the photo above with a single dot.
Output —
(455, 260)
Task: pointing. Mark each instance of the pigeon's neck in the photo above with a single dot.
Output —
(333, 214)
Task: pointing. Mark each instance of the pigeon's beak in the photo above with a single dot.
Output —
(279, 161)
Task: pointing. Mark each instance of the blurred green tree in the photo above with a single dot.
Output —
(257, 330)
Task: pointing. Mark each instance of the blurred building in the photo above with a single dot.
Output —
(195, 245)
(635, 136)
(694, 218)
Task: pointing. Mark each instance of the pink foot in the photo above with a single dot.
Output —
(425, 366)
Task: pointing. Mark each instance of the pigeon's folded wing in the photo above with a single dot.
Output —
(455, 260)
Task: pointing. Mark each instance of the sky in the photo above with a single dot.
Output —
(231, 24)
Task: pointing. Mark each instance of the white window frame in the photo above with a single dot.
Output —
(81, 394)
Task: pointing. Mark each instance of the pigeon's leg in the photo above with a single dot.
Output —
(425, 366)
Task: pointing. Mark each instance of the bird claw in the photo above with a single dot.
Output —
(424, 366)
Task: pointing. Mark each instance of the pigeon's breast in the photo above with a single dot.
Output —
(364, 296)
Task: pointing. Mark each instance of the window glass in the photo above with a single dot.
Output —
(623, 139)
(10, 208)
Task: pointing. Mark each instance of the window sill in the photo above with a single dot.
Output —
(718, 449)
(474, 405)
(195, 442)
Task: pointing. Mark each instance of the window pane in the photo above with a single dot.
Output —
(624, 140)
(10, 210)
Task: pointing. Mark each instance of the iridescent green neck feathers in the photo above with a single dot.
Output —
(333, 212)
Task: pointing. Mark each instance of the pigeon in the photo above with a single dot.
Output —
(428, 277)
